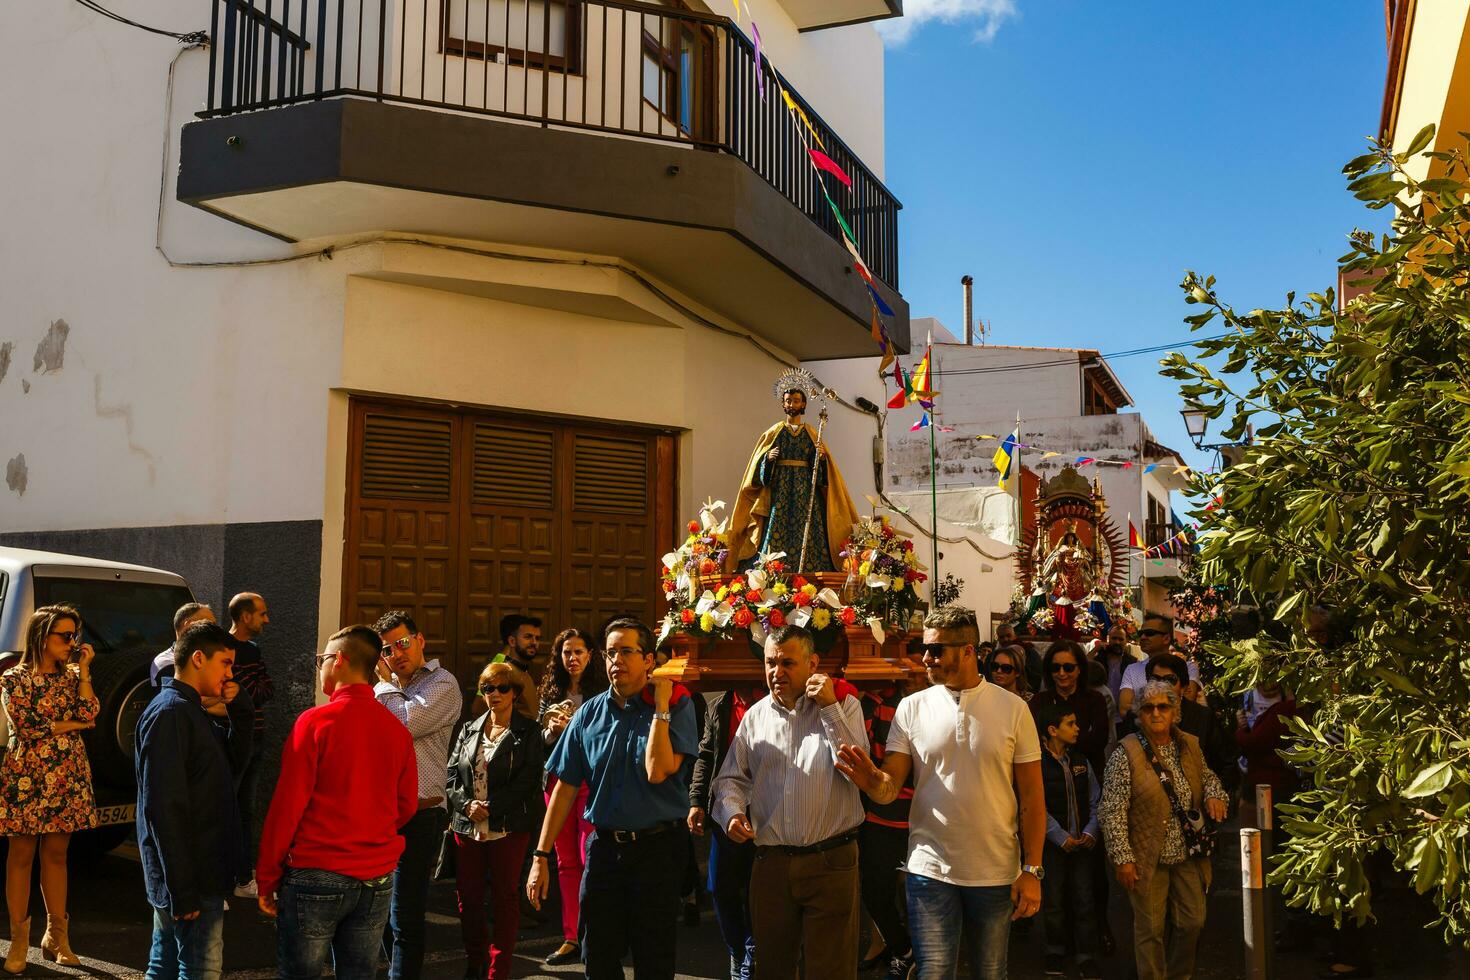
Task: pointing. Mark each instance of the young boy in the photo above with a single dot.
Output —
(1072, 795)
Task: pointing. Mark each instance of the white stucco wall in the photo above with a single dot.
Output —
(1434, 47)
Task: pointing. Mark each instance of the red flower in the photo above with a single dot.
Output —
(707, 566)
(776, 567)
(737, 584)
(912, 575)
(848, 615)
(888, 532)
(798, 582)
(908, 545)
(752, 596)
(802, 599)
(686, 616)
(778, 619)
(693, 527)
(744, 617)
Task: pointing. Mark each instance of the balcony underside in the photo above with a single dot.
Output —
(813, 15)
(713, 229)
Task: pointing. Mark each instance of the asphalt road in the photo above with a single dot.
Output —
(111, 922)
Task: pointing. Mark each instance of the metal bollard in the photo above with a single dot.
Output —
(1265, 820)
(1256, 905)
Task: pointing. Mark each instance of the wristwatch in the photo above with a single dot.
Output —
(541, 854)
(1034, 870)
(662, 716)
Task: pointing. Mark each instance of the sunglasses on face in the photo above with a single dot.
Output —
(1002, 669)
(402, 643)
(936, 650)
(1149, 709)
(67, 636)
(1152, 633)
(1166, 678)
(501, 688)
(1063, 668)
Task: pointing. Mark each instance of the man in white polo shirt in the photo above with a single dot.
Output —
(965, 741)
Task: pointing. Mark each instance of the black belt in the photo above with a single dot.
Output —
(831, 843)
(629, 836)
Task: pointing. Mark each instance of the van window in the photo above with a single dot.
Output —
(117, 616)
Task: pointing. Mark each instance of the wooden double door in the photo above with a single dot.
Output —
(462, 516)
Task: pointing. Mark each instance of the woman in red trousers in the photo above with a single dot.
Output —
(495, 804)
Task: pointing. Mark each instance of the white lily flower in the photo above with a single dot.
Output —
(722, 614)
(758, 632)
(876, 625)
(800, 616)
(706, 603)
(757, 578)
(670, 560)
(876, 581)
(829, 598)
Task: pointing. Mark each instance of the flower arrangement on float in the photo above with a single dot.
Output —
(883, 571)
(705, 601)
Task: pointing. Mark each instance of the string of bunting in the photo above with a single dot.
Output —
(1078, 462)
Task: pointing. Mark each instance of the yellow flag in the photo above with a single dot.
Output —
(1049, 454)
(801, 114)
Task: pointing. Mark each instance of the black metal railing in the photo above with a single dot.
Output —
(618, 67)
(1157, 532)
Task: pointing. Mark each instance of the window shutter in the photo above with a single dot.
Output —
(610, 475)
(513, 467)
(406, 457)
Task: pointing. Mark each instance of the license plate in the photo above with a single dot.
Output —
(120, 813)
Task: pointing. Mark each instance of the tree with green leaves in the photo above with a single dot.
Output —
(1352, 504)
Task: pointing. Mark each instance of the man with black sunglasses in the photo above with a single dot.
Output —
(1156, 636)
(425, 697)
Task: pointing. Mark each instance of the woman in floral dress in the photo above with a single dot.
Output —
(45, 781)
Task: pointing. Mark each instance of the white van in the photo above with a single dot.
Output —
(127, 613)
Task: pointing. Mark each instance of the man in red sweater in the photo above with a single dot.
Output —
(330, 843)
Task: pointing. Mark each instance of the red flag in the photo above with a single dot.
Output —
(1134, 541)
(824, 162)
(902, 397)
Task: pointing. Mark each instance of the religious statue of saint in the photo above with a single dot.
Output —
(792, 492)
(1068, 572)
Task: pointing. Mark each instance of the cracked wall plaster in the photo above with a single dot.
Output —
(16, 473)
(5, 351)
(51, 351)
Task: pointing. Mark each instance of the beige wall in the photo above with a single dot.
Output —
(1436, 38)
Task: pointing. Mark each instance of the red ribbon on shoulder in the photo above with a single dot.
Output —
(843, 689)
(680, 693)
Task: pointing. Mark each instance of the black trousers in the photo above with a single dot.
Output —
(881, 853)
(630, 903)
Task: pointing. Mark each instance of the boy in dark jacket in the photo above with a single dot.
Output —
(1072, 795)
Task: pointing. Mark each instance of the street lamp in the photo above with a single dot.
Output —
(1195, 423)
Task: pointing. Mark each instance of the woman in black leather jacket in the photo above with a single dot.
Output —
(495, 805)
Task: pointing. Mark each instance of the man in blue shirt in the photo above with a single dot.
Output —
(188, 825)
(633, 745)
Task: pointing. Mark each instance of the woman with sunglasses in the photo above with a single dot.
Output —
(495, 803)
(1154, 782)
(1006, 668)
(1064, 672)
(567, 683)
(45, 781)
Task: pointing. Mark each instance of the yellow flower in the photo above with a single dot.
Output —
(707, 622)
(809, 589)
(724, 591)
(780, 588)
(898, 583)
(821, 617)
(865, 568)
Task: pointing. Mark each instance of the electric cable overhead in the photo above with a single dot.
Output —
(186, 37)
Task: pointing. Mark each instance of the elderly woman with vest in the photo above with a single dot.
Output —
(495, 803)
(1157, 794)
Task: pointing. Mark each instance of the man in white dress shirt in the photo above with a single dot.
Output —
(779, 787)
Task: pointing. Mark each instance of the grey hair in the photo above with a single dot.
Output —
(1155, 688)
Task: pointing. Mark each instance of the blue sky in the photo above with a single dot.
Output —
(1076, 156)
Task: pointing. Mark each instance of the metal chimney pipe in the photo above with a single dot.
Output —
(967, 283)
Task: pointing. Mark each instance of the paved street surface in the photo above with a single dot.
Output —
(110, 926)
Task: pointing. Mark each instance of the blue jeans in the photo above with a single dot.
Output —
(190, 950)
(729, 887)
(404, 938)
(321, 912)
(941, 915)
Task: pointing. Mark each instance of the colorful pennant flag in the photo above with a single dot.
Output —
(919, 380)
(880, 337)
(923, 423)
(760, 76)
(1084, 460)
(1150, 468)
(1134, 541)
(800, 114)
(883, 307)
(1049, 454)
(901, 398)
(824, 162)
(1004, 455)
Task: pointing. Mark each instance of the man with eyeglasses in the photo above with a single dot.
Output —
(331, 840)
(978, 821)
(1156, 636)
(1217, 743)
(425, 697)
(633, 745)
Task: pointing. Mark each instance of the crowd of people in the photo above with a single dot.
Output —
(1008, 781)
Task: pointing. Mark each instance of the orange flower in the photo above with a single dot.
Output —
(802, 599)
(778, 619)
(707, 567)
(744, 617)
(798, 582)
(686, 616)
(693, 527)
(848, 615)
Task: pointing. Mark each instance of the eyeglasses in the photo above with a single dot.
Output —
(322, 658)
(623, 652)
(1166, 678)
(1149, 709)
(1063, 668)
(1142, 633)
(1002, 669)
(936, 650)
(501, 688)
(67, 636)
(402, 643)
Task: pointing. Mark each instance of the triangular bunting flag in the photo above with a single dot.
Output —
(923, 423)
(1134, 541)
(1150, 468)
(883, 307)
(824, 162)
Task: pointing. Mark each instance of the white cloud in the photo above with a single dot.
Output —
(987, 16)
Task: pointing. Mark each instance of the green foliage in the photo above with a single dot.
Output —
(947, 590)
(1356, 496)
